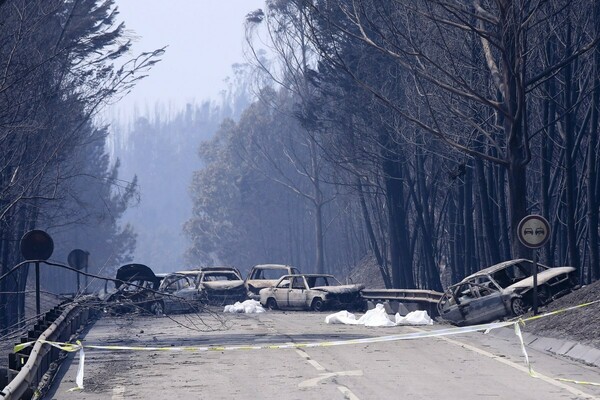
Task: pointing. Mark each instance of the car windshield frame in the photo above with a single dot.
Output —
(227, 274)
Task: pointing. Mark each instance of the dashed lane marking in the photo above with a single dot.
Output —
(312, 362)
(347, 393)
(118, 393)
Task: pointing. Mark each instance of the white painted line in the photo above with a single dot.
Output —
(347, 393)
(303, 354)
(315, 381)
(315, 364)
(547, 379)
(312, 362)
(118, 393)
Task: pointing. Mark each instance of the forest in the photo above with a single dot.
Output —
(408, 135)
(61, 62)
(417, 134)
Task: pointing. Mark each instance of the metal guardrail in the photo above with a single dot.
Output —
(402, 295)
(28, 366)
(403, 300)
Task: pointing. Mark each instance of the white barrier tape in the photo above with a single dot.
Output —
(79, 378)
(523, 350)
(578, 382)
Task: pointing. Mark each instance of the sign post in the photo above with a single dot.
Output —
(78, 259)
(533, 232)
(37, 245)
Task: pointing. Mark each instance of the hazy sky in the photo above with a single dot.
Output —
(204, 38)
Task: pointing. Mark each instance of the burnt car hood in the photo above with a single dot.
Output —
(222, 285)
(339, 289)
(542, 277)
(130, 272)
(262, 283)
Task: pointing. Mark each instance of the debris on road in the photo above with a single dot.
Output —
(247, 307)
(379, 317)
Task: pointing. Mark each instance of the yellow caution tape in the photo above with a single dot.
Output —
(578, 382)
(562, 310)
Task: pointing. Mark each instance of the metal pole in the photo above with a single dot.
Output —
(37, 288)
(78, 284)
(87, 259)
(535, 283)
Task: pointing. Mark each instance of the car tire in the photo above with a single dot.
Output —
(272, 304)
(518, 306)
(158, 308)
(317, 304)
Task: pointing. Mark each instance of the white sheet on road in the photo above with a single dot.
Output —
(247, 307)
(379, 317)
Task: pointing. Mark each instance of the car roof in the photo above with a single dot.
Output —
(220, 271)
(307, 275)
(495, 268)
(272, 266)
(185, 273)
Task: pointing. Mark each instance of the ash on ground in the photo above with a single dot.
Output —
(581, 324)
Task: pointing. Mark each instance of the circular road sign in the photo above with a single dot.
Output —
(533, 231)
(78, 259)
(36, 245)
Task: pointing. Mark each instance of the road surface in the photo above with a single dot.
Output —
(468, 366)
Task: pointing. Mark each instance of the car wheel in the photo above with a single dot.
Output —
(518, 306)
(158, 308)
(272, 304)
(317, 304)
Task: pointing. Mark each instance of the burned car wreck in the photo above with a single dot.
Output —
(316, 292)
(220, 286)
(136, 288)
(265, 275)
(177, 293)
(502, 291)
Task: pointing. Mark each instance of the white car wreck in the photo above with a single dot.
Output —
(502, 291)
(316, 292)
(265, 275)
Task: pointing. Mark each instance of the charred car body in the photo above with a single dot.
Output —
(265, 275)
(187, 291)
(311, 291)
(136, 288)
(502, 291)
(178, 293)
(220, 285)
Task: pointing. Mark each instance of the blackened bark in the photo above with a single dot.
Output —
(372, 239)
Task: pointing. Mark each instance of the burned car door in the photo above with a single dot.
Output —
(472, 302)
(281, 292)
(179, 293)
(455, 304)
(489, 303)
(297, 293)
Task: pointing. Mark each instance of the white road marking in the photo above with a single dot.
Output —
(347, 393)
(547, 379)
(312, 362)
(315, 381)
(118, 393)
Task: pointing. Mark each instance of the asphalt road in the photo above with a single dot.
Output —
(468, 366)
